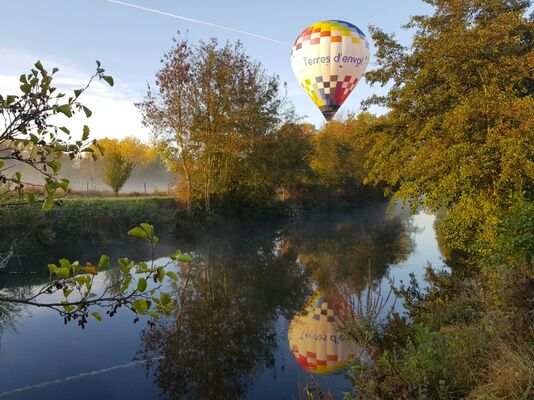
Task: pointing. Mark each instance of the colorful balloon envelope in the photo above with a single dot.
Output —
(328, 59)
(315, 339)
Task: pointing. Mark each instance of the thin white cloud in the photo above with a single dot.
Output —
(197, 21)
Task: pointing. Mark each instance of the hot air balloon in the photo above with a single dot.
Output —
(315, 339)
(328, 59)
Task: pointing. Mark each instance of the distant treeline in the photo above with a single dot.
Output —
(88, 175)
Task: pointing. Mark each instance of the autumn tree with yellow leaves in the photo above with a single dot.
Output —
(120, 157)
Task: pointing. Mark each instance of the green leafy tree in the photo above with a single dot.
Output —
(213, 106)
(116, 170)
(340, 148)
(278, 167)
(120, 157)
(458, 133)
(457, 137)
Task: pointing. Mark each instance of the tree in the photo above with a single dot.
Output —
(339, 155)
(213, 104)
(288, 154)
(28, 138)
(458, 133)
(116, 170)
(120, 158)
(168, 113)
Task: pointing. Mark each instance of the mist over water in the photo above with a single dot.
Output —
(230, 338)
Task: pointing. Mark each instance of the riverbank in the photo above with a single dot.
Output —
(79, 220)
(99, 220)
(468, 334)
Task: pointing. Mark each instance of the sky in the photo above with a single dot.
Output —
(129, 41)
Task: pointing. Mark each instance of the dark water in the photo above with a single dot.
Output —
(249, 286)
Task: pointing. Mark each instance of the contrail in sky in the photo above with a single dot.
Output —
(196, 21)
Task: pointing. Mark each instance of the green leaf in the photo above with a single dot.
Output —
(184, 258)
(55, 165)
(149, 229)
(161, 274)
(64, 184)
(108, 79)
(48, 204)
(104, 262)
(68, 307)
(171, 275)
(67, 292)
(10, 100)
(165, 298)
(52, 268)
(96, 315)
(126, 284)
(85, 135)
(63, 272)
(75, 266)
(141, 285)
(26, 88)
(39, 66)
(138, 232)
(142, 267)
(140, 306)
(87, 111)
(1, 164)
(65, 109)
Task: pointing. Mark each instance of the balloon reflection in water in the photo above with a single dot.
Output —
(315, 338)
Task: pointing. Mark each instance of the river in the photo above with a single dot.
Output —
(246, 325)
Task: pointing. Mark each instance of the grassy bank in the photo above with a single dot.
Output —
(80, 219)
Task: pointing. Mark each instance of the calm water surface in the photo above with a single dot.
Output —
(258, 304)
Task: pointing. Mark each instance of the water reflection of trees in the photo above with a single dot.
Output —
(16, 287)
(224, 333)
(344, 250)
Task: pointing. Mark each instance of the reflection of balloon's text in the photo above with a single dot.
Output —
(319, 336)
